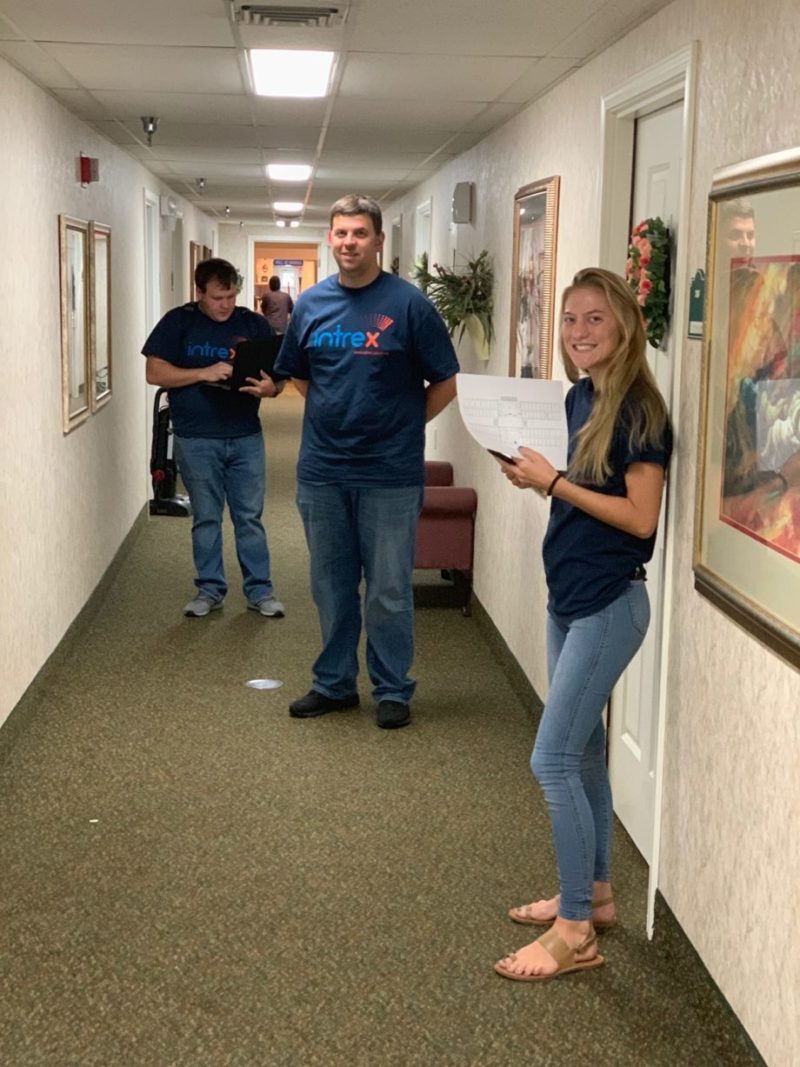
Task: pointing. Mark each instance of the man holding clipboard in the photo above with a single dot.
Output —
(219, 447)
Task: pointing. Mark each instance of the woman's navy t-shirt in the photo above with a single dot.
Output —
(588, 563)
(367, 354)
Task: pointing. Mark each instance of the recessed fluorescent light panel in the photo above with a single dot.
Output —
(288, 172)
(283, 72)
(287, 207)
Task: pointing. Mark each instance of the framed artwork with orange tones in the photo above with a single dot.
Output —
(747, 518)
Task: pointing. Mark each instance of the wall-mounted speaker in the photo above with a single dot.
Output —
(461, 205)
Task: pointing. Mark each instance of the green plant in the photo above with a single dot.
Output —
(457, 295)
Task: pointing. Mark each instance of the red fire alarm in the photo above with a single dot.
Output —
(90, 169)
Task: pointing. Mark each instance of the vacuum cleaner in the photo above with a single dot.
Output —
(163, 468)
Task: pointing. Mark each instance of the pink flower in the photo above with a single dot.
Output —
(645, 285)
(641, 299)
(645, 248)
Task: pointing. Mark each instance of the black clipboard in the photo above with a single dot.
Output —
(252, 357)
(249, 359)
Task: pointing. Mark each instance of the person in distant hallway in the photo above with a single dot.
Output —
(601, 533)
(219, 447)
(277, 306)
(360, 347)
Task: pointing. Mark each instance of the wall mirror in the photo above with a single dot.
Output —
(100, 251)
(74, 268)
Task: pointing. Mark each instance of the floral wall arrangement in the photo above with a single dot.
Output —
(647, 273)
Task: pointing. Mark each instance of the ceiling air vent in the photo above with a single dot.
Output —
(289, 15)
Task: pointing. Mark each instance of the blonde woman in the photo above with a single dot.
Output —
(601, 533)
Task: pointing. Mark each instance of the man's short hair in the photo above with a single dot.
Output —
(274, 283)
(209, 269)
(740, 208)
(359, 204)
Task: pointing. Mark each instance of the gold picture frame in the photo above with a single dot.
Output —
(195, 257)
(747, 511)
(100, 314)
(534, 271)
(75, 275)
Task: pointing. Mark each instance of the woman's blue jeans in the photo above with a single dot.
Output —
(216, 469)
(585, 659)
(369, 530)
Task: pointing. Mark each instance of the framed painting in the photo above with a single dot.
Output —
(100, 313)
(534, 269)
(75, 321)
(747, 520)
(195, 257)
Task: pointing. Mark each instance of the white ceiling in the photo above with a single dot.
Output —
(416, 82)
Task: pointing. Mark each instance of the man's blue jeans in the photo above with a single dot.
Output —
(367, 530)
(585, 659)
(216, 469)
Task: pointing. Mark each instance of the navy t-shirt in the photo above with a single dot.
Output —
(188, 338)
(588, 563)
(367, 354)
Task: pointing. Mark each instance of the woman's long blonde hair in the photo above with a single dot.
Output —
(628, 376)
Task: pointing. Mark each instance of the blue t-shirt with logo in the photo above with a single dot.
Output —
(588, 563)
(188, 338)
(366, 354)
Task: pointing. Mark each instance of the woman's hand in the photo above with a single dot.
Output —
(529, 471)
(636, 512)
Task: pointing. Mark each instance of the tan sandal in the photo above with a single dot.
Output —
(561, 952)
(516, 915)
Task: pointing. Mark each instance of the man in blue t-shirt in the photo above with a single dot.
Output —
(219, 446)
(360, 347)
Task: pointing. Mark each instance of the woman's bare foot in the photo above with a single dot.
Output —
(545, 912)
(534, 959)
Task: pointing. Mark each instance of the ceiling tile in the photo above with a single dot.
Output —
(181, 22)
(165, 69)
(514, 28)
(416, 113)
(442, 77)
(544, 73)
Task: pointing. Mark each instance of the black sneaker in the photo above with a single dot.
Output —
(392, 715)
(314, 703)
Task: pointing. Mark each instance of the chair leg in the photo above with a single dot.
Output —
(463, 583)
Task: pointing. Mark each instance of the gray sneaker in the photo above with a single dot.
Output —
(200, 606)
(269, 607)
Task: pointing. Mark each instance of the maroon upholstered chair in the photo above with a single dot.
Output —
(446, 529)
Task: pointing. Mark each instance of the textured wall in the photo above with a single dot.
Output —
(66, 502)
(730, 866)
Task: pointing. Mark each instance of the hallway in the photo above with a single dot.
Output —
(190, 876)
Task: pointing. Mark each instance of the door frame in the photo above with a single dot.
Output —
(671, 80)
(276, 237)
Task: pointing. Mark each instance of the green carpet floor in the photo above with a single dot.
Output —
(188, 876)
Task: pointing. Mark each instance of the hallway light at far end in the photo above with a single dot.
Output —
(287, 207)
(287, 72)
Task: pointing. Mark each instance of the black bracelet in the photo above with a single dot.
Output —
(552, 485)
(779, 474)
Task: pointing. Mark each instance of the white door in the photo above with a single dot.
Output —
(633, 721)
